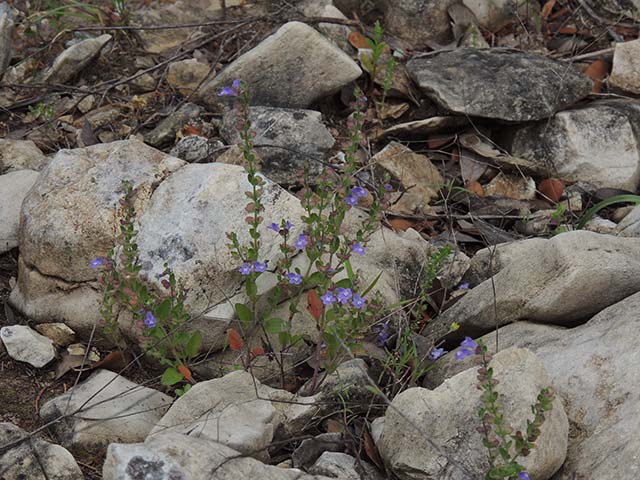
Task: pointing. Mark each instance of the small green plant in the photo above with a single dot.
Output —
(373, 64)
(338, 306)
(159, 313)
(41, 111)
(607, 203)
(503, 446)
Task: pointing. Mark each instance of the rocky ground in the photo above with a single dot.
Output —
(510, 132)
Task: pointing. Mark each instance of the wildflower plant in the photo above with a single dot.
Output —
(160, 313)
(339, 306)
(503, 446)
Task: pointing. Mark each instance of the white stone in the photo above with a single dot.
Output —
(26, 345)
(14, 187)
(105, 408)
(625, 72)
(495, 14)
(75, 58)
(20, 155)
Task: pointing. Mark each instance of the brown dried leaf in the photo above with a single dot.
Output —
(68, 362)
(370, 449)
(358, 40)
(596, 72)
(552, 189)
(547, 8)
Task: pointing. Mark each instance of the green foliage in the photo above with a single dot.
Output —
(41, 111)
(607, 203)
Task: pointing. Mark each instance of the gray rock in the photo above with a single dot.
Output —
(338, 34)
(165, 131)
(420, 22)
(450, 416)
(34, 459)
(299, 137)
(563, 280)
(186, 75)
(348, 381)
(343, 467)
(598, 144)
(74, 59)
(14, 187)
(192, 149)
(495, 14)
(310, 449)
(499, 84)
(6, 32)
(625, 72)
(630, 224)
(25, 345)
(58, 333)
(292, 68)
(20, 155)
(231, 411)
(177, 456)
(104, 408)
(595, 369)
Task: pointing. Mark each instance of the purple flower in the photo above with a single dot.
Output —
(523, 476)
(98, 262)
(259, 267)
(245, 269)
(231, 91)
(357, 301)
(436, 353)
(294, 278)
(388, 187)
(328, 298)
(467, 347)
(149, 320)
(344, 294)
(383, 334)
(236, 84)
(358, 248)
(302, 241)
(351, 200)
(358, 192)
(288, 225)
(274, 227)
(463, 286)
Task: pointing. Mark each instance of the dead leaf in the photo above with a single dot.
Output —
(190, 130)
(400, 224)
(472, 166)
(114, 361)
(234, 340)
(358, 40)
(314, 304)
(186, 373)
(476, 188)
(552, 189)
(439, 140)
(257, 352)
(370, 449)
(596, 72)
(68, 362)
(547, 8)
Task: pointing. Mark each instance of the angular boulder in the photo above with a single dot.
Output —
(14, 187)
(292, 68)
(25, 345)
(20, 155)
(74, 59)
(498, 83)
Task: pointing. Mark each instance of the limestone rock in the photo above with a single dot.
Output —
(499, 84)
(625, 73)
(6, 32)
(563, 280)
(598, 144)
(35, 459)
(14, 187)
(299, 139)
(630, 224)
(186, 75)
(338, 34)
(192, 148)
(450, 416)
(418, 21)
(74, 59)
(343, 467)
(20, 155)
(105, 408)
(165, 131)
(292, 68)
(418, 178)
(58, 333)
(495, 14)
(595, 369)
(25, 345)
(177, 456)
(518, 187)
(311, 449)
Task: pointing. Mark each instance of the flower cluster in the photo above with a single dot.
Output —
(247, 268)
(467, 348)
(343, 295)
(231, 91)
(354, 195)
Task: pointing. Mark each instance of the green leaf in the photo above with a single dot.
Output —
(344, 283)
(244, 313)
(171, 376)
(372, 284)
(193, 346)
(605, 203)
(251, 288)
(275, 325)
(163, 311)
(350, 274)
(315, 278)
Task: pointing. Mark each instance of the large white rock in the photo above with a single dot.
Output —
(292, 68)
(598, 144)
(34, 459)
(103, 409)
(14, 187)
(177, 457)
(449, 416)
(625, 72)
(563, 280)
(26, 345)
(595, 369)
